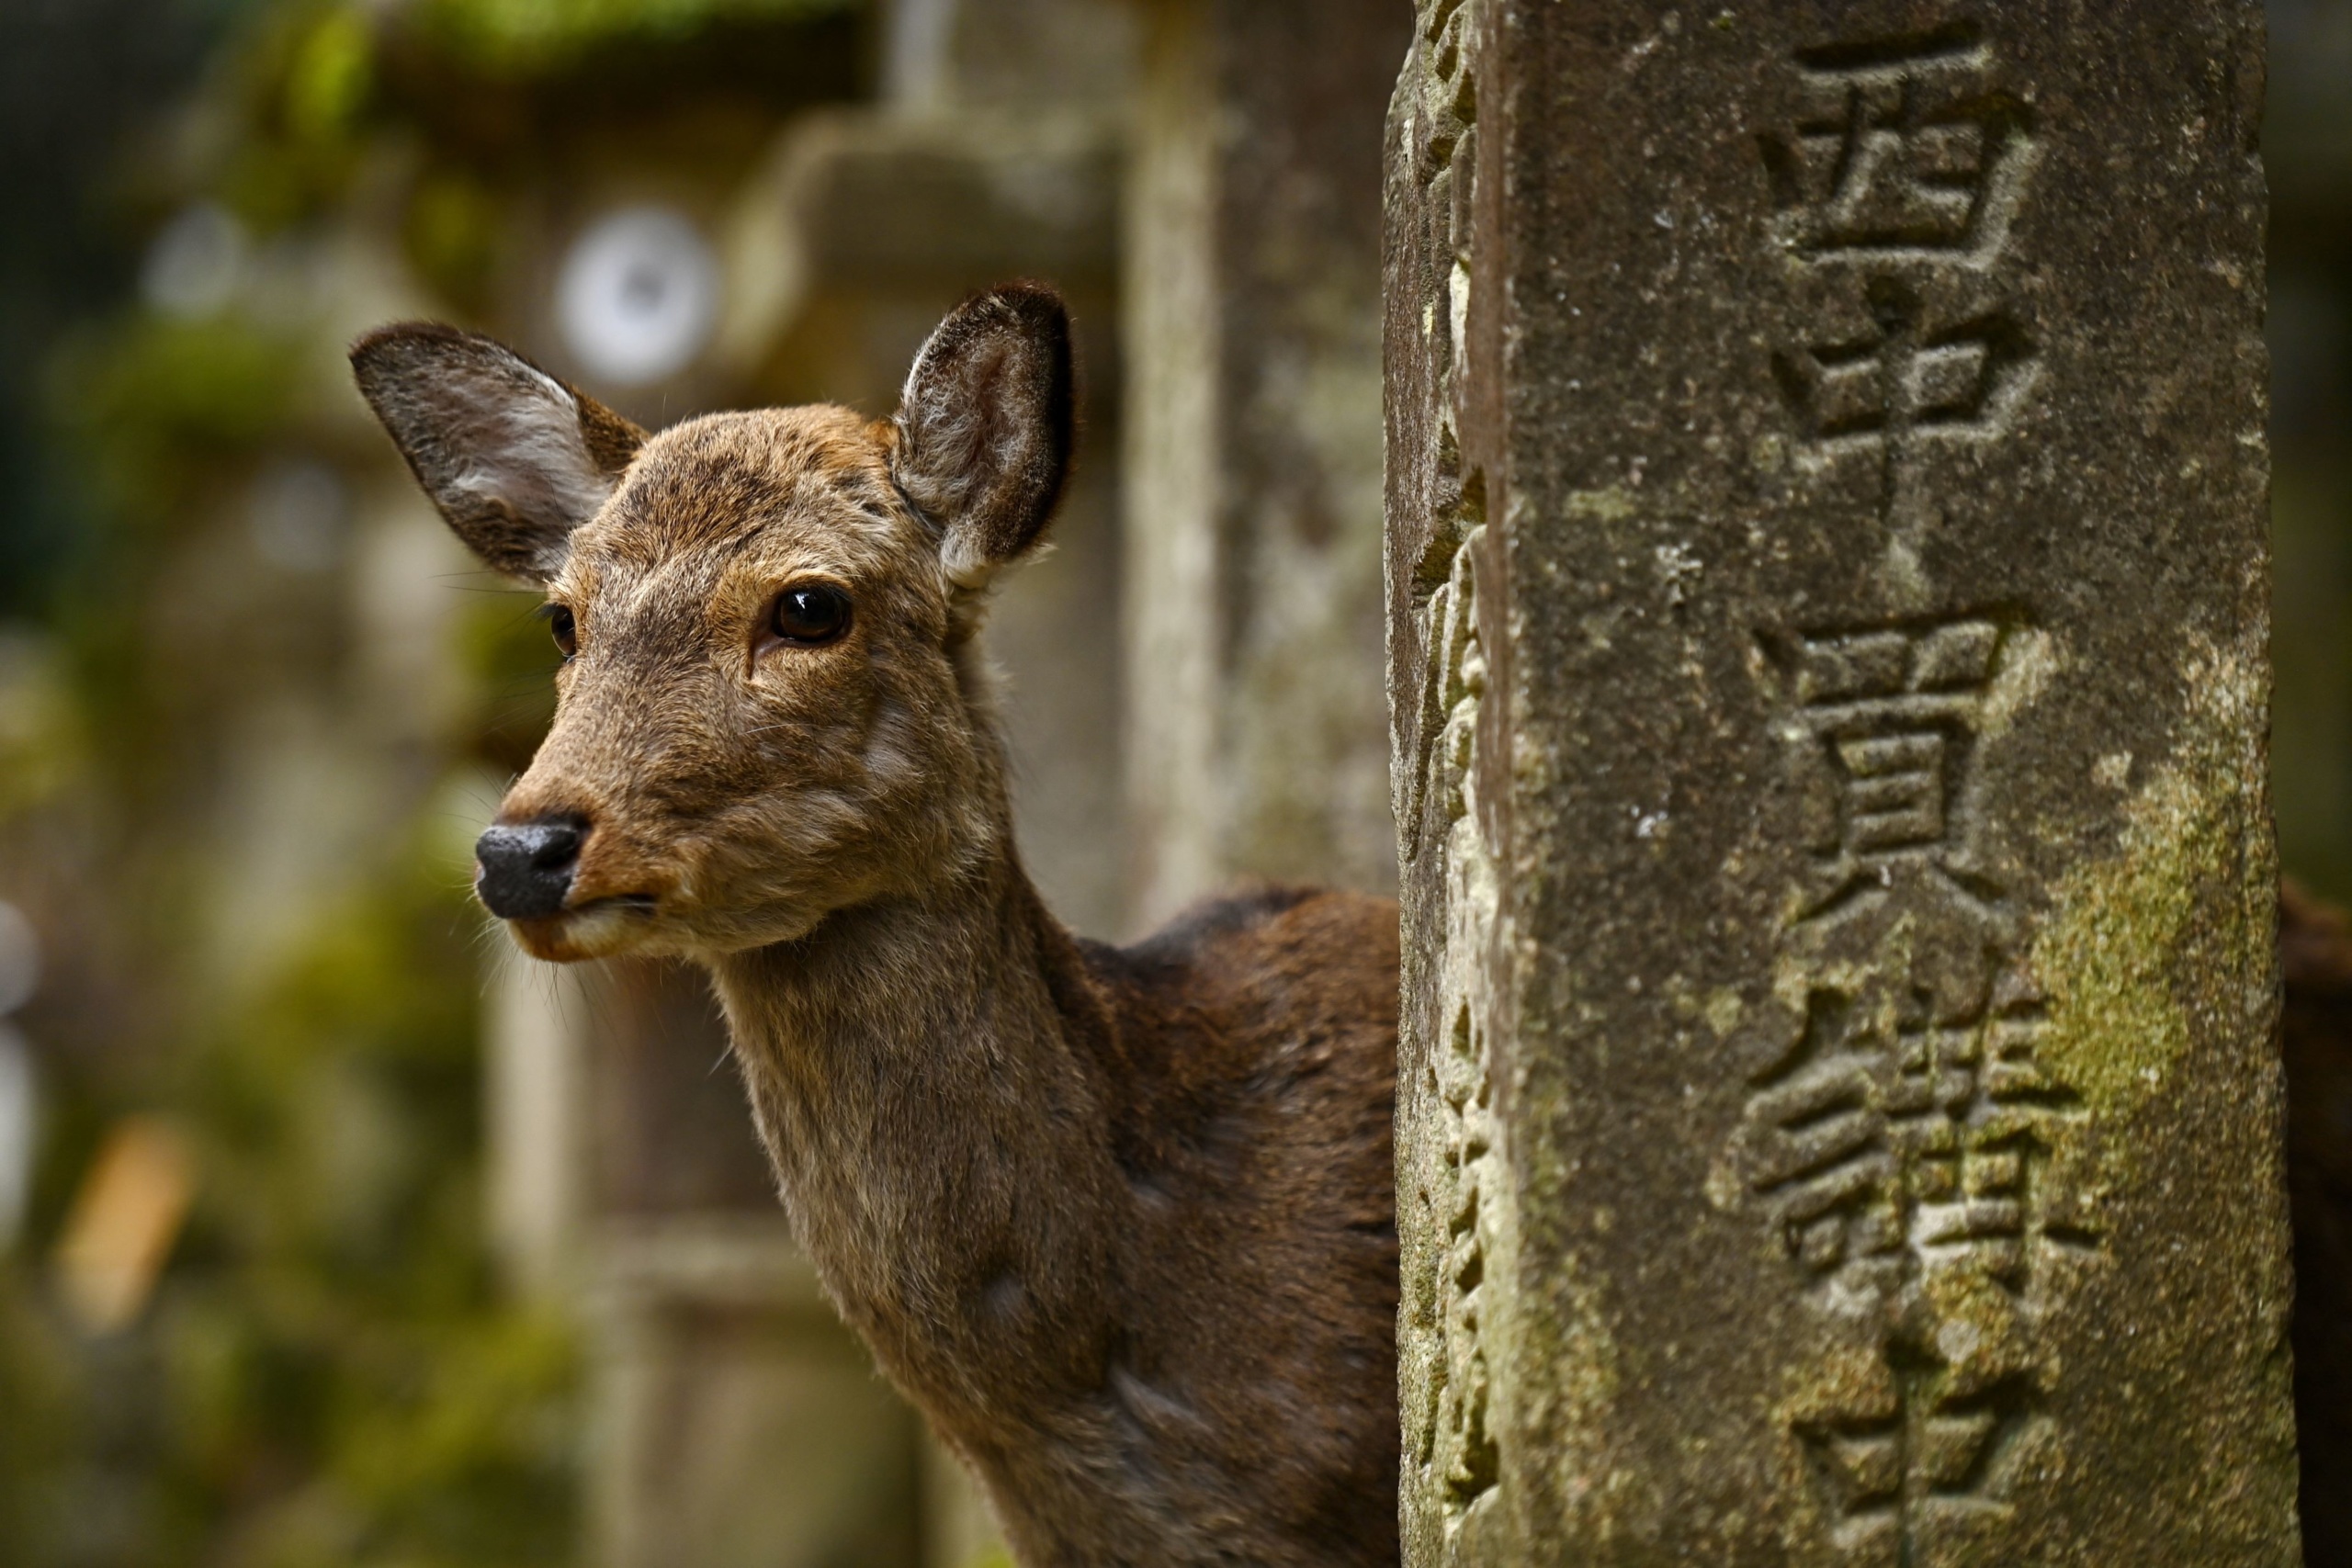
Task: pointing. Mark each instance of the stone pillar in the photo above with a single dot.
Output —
(1253, 623)
(1839, 1114)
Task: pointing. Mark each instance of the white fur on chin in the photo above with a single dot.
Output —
(599, 931)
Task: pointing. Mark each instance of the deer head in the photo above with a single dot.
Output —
(767, 709)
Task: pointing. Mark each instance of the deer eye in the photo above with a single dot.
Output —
(811, 614)
(567, 631)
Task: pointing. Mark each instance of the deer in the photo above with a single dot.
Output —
(1119, 1220)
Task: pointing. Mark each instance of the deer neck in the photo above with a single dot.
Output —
(940, 1139)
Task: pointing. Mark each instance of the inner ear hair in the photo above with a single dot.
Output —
(986, 428)
(515, 459)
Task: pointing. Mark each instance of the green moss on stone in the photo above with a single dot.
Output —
(2110, 954)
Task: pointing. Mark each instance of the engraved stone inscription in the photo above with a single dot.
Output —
(1906, 149)
(1894, 712)
(1898, 1136)
(1902, 1141)
(1936, 1440)
(1904, 377)
(1838, 1104)
(1903, 172)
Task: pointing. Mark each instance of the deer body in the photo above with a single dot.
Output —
(1119, 1220)
(1114, 1220)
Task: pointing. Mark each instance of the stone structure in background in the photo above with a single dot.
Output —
(1839, 1109)
(1253, 619)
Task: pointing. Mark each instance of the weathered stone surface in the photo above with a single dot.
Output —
(1839, 1108)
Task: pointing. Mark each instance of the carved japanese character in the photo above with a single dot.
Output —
(1902, 379)
(1904, 151)
(1936, 1443)
(1894, 713)
(1894, 1138)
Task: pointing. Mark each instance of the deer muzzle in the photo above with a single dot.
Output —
(523, 870)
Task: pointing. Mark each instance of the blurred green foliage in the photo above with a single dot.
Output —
(538, 34)
(43, 747)
(153, 405)
(337, 1347)
(159, 416)
(72, 75)
(328, 77)
(504, 643)
(331, 1370)
(450, 235)
(299, 87)
(331, 1374)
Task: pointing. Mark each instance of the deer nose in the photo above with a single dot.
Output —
(523, 870)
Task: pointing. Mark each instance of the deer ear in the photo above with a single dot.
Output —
(985, 427)
(514, 459)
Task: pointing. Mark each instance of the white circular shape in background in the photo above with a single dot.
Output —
(637, 296)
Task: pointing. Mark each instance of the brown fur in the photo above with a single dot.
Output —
(1119, 1220)
(2315, 954)
(506, 451)
(986, 428)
